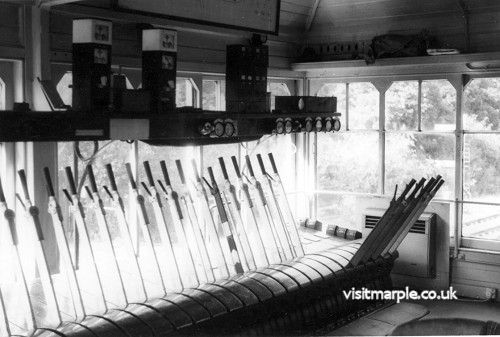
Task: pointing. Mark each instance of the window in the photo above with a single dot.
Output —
(347, 163)
(186, 93)
(277, 89)
(2, 95)
(64, 87)
(481, 160)
(412, 154)
(363, 106)
(401, 104)
(439, 105)
(214, 95)
(324, 88)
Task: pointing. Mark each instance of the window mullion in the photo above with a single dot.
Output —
(458, 167)
(347, 106)
(381, 145)
(419, 106)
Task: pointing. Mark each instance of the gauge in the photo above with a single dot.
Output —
(309, 124)
(229, 129)
(206, 129)
(219, 129)
(336, 124)
(319, 124)
(301, 104)
(280, 126)
(328, 124)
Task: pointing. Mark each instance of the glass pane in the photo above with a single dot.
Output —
(401, 106)
(155, 154)
(214, 95)
(277, 89)
(482, 167)
(64, 88)
(439, 102)
(211, 154)
(324, 88)
(482, 104)
(363, 106)
(184, 94)
(481, 222)
(2, 94)
(415, 155)
(348, 162)
(283, 149)
(210, 94)
(65, 155)
(339, 210)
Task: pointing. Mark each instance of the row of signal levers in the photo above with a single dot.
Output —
(207, 233)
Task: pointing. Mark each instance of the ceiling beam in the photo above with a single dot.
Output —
(312, 14)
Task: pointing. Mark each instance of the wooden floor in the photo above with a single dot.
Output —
(485, 311)
(385, 320)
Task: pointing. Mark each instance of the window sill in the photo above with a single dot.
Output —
(483, 256)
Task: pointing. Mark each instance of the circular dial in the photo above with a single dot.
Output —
(309, 125)
(219, 129)
(328, 125)
(206, 129)
(319, 124)
(280, 127)
(229, 129)
(336, 124)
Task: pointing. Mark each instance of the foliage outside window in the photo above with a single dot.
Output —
(481, 159)
(347, 162)
(410, 154)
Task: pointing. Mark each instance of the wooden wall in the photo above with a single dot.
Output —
(340, 21)
(197, 44)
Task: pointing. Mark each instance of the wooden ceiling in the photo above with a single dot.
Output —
(338, 21)
(346, 21)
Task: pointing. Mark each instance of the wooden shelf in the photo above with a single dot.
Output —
(181, 126)
(458, 63)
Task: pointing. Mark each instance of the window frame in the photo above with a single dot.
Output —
(382, 84)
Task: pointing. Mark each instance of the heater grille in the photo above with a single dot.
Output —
(418, 227)
(417, 252)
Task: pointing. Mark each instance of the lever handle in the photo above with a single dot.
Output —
(48, 182)
(236, 166)
(249, 165)
(195, 170)
(149, 174)
(2, 195)
(24, 183)
(93, 184)
(273, 163)
(163, 165)
(261, 164)
(89, 192)
(212, 177)
(181, 171)
(108, 192)
(68, 196)
(162, 186)
(223, 167)
(131, 176)
(111, 176)
(71, 180)
(146, 188)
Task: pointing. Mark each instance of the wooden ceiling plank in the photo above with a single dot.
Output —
(312, 14)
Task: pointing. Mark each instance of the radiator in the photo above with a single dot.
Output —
(417, 252)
